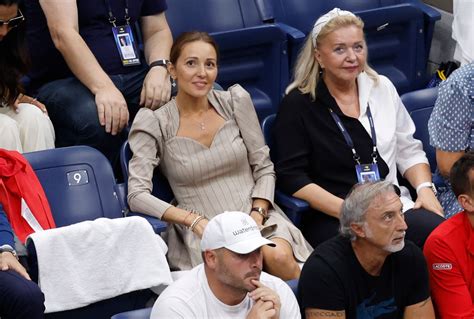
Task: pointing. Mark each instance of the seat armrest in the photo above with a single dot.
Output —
(293, 283)
(32, 260)
(292, 206)
(158, 225)
(390, 14)
(431, 13)
(121, 191)
(295, 40)
(290, 201)
(294, 35)
(134, 314)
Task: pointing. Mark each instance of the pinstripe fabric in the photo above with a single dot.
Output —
(225, 176)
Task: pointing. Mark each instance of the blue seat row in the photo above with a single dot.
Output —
(398, 32)
(259, 39)
(419, 105)
(252, 53)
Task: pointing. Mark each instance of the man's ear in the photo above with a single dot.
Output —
(210, 258)
(358, 229)
(466, 202)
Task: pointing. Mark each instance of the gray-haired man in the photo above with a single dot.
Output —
(370, 271)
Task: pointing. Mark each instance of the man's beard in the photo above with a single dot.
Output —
(391, 248)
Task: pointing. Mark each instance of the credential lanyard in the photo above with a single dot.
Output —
(112, 18)
(348, 138)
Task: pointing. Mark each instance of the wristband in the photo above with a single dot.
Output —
(161, 62)
(8, 249)
(425, 185)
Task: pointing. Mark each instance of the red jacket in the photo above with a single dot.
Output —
(449, 252)
(17, 181)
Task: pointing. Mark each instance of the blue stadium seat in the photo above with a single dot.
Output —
(253, 54)
(161, 188)
(135, 314)
(292, 206)
(80, 185)
(293, 285)
(398, 32)
(420, 104)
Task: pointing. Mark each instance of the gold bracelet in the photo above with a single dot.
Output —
(184, 220)
(195, 222)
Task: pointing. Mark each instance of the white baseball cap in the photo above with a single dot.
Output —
(235, 231)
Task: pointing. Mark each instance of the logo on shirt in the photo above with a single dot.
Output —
(366, 310)
(442, 266)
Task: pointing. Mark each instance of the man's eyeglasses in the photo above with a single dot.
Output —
(13, 22)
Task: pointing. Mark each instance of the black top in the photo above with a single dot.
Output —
(310, 148)
(333, 279)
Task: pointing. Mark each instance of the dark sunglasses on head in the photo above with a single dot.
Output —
(14, 22)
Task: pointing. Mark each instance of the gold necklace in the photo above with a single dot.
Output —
(202, 124)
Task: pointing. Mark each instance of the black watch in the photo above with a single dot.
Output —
(162, 62)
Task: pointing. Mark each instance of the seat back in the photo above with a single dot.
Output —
(161, 187)
(420, 105)
(267, 130)
(252, 54)
(394, 29)
(135, 314)
(78, 182)
(292, 206)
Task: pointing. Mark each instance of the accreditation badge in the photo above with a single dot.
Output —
(126, 45)
(367, 173)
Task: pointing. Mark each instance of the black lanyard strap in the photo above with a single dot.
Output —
(112, 18)
(348, 138)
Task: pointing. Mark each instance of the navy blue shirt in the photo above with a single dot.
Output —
(6, 233)
(94, 27)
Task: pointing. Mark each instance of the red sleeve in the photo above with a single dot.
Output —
(449, 288)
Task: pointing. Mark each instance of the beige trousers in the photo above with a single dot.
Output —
(26, 130)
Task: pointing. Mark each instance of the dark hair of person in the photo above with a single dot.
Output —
(188, 37)
(459, 175)
(13, 60)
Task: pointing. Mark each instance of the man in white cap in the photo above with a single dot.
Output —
(230, 283)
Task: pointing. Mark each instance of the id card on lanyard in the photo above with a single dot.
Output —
(124, 39)
(365, 172)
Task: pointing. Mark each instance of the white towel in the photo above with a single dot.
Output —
(96, 260)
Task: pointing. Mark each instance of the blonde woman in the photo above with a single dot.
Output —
(341, 123)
